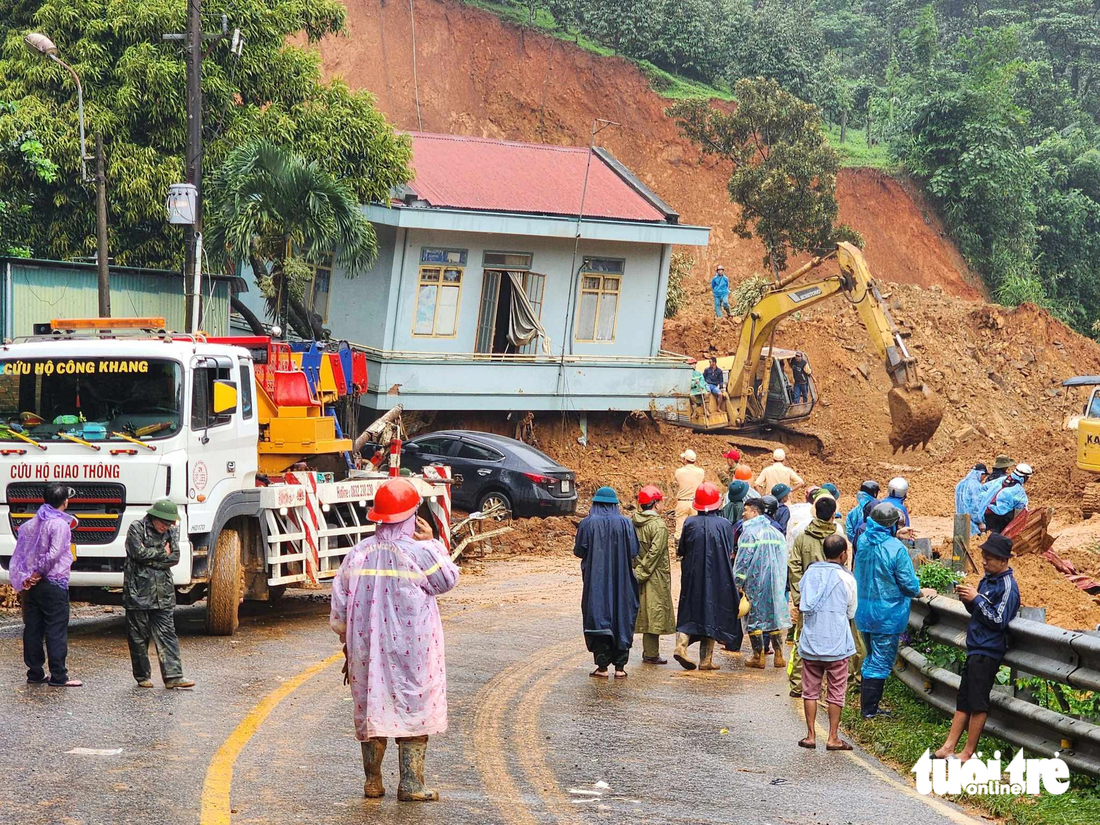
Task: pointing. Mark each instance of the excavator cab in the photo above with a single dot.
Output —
(764, 408)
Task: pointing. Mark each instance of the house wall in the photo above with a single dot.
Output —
(641, 296)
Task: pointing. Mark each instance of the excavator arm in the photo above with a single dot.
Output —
(914, 410)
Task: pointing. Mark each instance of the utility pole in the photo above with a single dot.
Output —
(102, 272)
(193, 157)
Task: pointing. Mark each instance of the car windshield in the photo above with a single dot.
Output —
(92, 399)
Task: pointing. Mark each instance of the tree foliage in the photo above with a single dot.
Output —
(134, 87)
(279, 212)
(783, 170)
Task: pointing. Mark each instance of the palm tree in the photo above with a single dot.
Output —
(271, 207)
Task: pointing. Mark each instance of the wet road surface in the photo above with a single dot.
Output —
(532, 740)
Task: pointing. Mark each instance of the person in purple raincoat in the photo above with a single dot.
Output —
(384, 610)
(39, 569)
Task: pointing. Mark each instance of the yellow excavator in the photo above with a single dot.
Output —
(1087, 425)
(747, 406)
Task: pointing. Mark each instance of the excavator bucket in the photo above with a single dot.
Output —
(915, 413)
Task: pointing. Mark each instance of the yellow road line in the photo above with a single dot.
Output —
(891, 779)
(219, 776)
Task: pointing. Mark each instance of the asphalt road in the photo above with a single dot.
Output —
(266, 737)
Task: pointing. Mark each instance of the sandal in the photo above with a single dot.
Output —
(599, 673)
(843, 746)
(70, 683)
(620, 674)
(41, 681)
(806, 743)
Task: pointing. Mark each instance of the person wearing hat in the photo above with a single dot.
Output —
(868, 492)
(736, 494)
(733, 459)
(652, 570)
(800, 370)
(967, 490)
(778, 473)
(607, 545)
(1001, 465)
(149, 595)
(685, 481)
(707, 611)
(1003, 503)
(760, 569)
(782, 511)
(384, 611)
(720, 288)
(991, 605)
(886, 582)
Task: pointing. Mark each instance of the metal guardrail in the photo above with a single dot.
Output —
(1034, 648)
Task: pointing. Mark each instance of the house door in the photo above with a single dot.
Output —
(496, 308)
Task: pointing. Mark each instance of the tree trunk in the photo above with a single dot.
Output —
(844, 127)
(311, 320)
(868, 129)
(249, 316)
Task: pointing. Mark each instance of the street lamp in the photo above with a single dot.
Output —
(41, 44)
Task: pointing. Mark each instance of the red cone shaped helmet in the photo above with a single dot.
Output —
(394, 502)
(707, 497)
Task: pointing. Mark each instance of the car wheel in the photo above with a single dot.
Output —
(497, 501)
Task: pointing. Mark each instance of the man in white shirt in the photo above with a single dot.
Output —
(778, 473)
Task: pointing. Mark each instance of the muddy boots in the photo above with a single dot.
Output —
(680, 654)
(706, 655)
(757, 641)
(373, 751)
(777, 646)
(411, 757)
(870, 694)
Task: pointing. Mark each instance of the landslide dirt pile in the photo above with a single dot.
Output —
(480, 76)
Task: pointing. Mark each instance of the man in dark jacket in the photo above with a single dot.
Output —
(708, 595)
(606, 544)
(149, 595)
(991, 605)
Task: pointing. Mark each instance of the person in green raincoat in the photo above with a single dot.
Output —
(735, 500)
(651, 569)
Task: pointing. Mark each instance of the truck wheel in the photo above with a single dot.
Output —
(226, 585)
(1090, 500)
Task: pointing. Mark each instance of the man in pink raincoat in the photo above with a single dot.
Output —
(384, 610)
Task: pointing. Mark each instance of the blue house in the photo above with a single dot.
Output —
(492, 292)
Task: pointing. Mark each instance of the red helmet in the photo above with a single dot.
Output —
(649, 494)
(395, 501)
(732, 454)
(707, 497)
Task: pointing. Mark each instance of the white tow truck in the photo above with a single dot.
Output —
(234, 431)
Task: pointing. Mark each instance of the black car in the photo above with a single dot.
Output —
(496, 469)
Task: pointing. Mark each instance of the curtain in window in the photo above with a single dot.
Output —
(523, 321)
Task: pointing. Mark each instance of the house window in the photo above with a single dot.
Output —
(317, 293)
(598, 301)
(437, 292)
(508, 260)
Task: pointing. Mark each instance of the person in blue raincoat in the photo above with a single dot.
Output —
(761, 569)
(868, 492)
(967, 490)
(606, 544)
(896, 492)
(1002, 504)
(720, 288)
(886, 583)
(707, 611)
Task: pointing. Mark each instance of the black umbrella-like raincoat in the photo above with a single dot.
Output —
(708, 595)
(606, 544)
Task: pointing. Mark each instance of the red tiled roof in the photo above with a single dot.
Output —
(501, 176)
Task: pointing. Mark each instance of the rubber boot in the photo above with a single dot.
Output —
(777, 646)
(757, 642)
(706, 655)
(410, 754)
(373, 751)
(870, 694)
(680, 654)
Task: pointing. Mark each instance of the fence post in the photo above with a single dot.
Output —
(960, 542)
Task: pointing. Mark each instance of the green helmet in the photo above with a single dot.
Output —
(165, 510)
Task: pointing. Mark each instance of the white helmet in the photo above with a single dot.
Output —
(897, 488)
(1023, 470)
(779, 454)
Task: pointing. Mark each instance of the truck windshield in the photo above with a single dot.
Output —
(93, 399)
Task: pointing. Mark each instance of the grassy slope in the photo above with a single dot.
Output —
(853, 153)
(914, 726)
